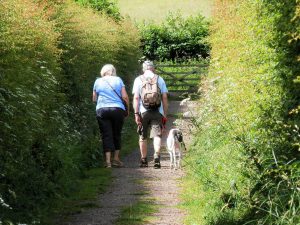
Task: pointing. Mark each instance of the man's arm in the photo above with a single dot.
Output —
(165, 104)
(136, 100)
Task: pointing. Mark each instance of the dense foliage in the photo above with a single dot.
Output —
(104, 6)
(50, 54)
(245, 155)
(176, 38)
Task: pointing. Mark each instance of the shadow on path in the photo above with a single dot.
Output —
(162, 185)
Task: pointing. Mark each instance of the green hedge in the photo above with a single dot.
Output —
(50, 54)
(83, 52)
(104, 6)
(245, 155)
(176, 39)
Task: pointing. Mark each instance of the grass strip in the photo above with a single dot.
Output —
(139, 213)
(93, 182)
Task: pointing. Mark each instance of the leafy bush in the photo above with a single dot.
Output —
(248, 128)
(176, 38)
(105, 6)
(51, 53)
(30, 161)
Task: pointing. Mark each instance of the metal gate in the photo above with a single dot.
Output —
(182, 77)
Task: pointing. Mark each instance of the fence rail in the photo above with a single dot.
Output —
(182, 77)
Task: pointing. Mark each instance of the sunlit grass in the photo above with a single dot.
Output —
(138, 213)
(192, 202)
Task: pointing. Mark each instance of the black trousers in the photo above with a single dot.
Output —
(110, 120)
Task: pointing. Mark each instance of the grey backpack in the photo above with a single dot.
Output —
(150, 92)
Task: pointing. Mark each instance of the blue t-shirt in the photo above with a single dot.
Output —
(137, 89)
(106, 97)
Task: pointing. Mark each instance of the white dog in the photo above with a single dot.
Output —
(175, 146)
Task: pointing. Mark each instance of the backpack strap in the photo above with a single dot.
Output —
(142, 77)
(114, 90)
(154, 78)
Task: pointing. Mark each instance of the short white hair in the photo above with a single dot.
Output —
(108, 69)
(148, 65)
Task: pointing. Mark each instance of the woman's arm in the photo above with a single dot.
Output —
(125, 97)
(95, 96)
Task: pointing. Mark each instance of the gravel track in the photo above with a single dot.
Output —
(131, 183)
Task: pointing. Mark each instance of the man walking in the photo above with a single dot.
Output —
(150, 104)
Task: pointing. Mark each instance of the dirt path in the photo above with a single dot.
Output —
(131, 182)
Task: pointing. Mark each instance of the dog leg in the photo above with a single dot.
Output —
(174, 158)
(171, 159)
(179, 158)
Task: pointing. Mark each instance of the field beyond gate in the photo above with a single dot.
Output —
(156, 10)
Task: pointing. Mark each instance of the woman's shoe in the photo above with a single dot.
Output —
(117, 163)
(107, 165)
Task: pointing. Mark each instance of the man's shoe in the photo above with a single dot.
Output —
(157, 163)
(143, 162)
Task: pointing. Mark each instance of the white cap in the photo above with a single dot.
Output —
(148, 65)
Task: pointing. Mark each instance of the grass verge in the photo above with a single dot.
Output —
(93, 182)
(139, 213)
(192, 202)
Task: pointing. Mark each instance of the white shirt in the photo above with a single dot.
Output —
(137, 89)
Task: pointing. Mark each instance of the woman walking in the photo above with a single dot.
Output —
(112, 106)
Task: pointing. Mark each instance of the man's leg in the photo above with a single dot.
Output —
(156, 133)
(143, 139)
(143, 148)
(157, 145)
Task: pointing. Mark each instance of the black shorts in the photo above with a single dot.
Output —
(110, 120)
